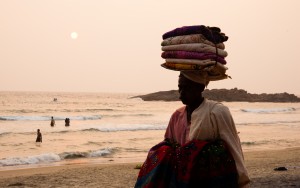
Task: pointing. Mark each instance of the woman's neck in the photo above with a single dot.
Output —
(191, 108)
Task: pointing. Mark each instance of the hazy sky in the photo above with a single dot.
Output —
(117, 48)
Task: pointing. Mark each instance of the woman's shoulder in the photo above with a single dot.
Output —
(216, 107)
(180, 110)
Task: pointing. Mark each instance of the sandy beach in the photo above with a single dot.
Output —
(260, 165)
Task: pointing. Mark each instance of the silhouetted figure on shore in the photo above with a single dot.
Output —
(38, 136)
(67, 122)
(52, 122)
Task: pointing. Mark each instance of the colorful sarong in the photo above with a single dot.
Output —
(195, 164)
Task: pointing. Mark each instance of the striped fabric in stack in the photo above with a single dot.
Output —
(196, 48)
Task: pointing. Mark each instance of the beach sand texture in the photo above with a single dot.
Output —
(260, 165)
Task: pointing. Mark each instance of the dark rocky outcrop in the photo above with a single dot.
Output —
(227, 95)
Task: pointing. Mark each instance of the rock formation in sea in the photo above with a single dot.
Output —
(226, 95)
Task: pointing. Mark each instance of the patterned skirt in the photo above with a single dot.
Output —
(194, 164)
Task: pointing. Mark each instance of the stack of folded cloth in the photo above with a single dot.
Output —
(196, 48)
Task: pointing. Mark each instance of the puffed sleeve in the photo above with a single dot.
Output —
(169, 130)
(177, 127)
(222, 119)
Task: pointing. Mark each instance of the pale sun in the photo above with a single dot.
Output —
(74, 35)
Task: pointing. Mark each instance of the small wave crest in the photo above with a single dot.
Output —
(5, 133)
(255, 143)
(52, 157)
(96, 153)
(27, 111)
(36, 159)
(248, 143)
(127, 128)
(131, 115)
(101, 153)
(270, 110)
(90, 130)
(269, 122)
(47, 118)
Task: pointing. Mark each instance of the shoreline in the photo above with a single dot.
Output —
(260, 165)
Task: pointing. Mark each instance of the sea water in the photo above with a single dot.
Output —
(114, 127)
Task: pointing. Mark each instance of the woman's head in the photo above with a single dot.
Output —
(190, 92)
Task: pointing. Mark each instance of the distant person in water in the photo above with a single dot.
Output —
(38, 136)
(67, 122)
(52, 122)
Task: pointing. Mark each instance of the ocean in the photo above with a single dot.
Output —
(114, 127)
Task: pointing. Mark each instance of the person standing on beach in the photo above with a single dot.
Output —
(52, 123)
(201, 147)
(38, 136)
(67, 122)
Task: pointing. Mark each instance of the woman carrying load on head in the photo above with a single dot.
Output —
(201, 147)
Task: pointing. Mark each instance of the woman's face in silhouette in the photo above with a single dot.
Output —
(189, 92)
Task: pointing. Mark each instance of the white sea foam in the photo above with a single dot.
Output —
(47, 118)
(268, 122)
(35, 159)
(100, 153)
(128, 128)
(52, 157)
(269, 110)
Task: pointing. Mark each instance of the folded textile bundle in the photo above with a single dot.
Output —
(197, 48)
(193, 38)
(204, 63)
(193, 55)
(212, 34)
